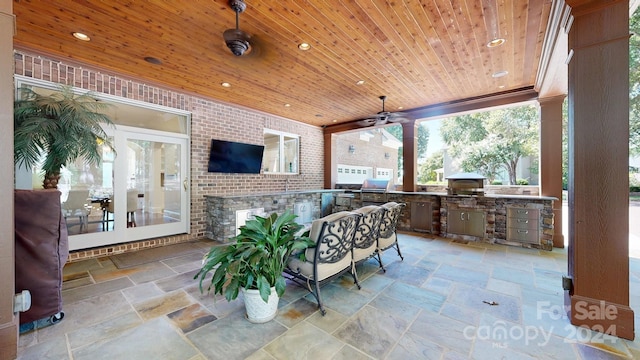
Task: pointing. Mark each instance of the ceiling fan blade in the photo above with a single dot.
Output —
(399, 117)
(384, 117)
(366, 122)
(382, 120)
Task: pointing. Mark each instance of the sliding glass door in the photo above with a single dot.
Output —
(139, 191)
(140, 188)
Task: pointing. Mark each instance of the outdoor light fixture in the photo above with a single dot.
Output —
(387, 155)
(352, 149)
(81, 36)
(495, 42)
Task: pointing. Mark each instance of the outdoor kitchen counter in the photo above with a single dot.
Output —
(425, 211)
(225, 212)
(277, 193)
(496, 214)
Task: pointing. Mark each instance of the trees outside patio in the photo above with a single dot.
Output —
(488, 142)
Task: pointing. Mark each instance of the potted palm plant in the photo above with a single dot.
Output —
(254, 262)
(63, 126)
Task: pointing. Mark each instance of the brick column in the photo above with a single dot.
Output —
(551, 159)
(598, 167)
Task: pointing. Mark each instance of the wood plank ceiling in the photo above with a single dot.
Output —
(417, 53)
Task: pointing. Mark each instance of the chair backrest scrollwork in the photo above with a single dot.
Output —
(369, 227)
(335, 238)
(390, 219)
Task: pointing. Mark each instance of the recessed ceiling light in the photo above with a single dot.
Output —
(400, 107)
(334, 120)
(225, 84)
(495, 42)
(287, 105)
(360, 82)
(501, 87)
(152, 60)
(304, 46)
(499, 74)
(81, 36)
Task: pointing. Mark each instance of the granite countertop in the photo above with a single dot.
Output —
(348, 191)
(291, 192)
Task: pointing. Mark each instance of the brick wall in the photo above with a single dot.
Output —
(210, 119)
(367, 153)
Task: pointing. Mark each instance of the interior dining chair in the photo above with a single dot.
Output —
(78, 205)
(329, 258)
(132, 207)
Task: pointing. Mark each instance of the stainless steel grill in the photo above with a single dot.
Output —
(374, 191)
(465, 184)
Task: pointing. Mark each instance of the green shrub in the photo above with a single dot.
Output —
(496, 182)
(634, 189)
(522, 182)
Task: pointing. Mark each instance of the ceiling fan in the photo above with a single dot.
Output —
(237, 40)
(242, 44)
(384, 117)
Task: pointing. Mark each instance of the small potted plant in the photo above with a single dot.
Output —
(254, 262)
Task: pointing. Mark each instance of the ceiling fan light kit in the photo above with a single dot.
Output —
(237, 40)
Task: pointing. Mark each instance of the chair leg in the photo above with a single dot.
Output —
(380, 261)
(398, 248)
(354, 274)
(317, 291)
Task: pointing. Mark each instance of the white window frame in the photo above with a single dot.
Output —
(294, 167)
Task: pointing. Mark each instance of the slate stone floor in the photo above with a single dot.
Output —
(436, 304)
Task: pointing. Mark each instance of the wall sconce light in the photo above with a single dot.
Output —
(387, 155)
(352, 149)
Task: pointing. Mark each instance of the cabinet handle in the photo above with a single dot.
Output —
(523, 212)
(523, 221)
(523, 231)
(461, 216)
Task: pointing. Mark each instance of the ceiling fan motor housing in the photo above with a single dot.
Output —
(237, 40)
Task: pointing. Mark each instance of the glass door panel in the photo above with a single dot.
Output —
(86, 193)
(138, 193)
(154, 186)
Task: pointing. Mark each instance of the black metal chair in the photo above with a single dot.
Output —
(387, 237)
(331, 256)
(365, 239)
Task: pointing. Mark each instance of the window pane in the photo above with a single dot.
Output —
(291, 154)
(271, 160)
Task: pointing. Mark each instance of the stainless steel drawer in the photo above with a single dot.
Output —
(519, 223)
(523, 235)
(522, 213)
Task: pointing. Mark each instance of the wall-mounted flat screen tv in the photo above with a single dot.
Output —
(233, 157)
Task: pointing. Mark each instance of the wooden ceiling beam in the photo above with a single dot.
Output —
(451, 108)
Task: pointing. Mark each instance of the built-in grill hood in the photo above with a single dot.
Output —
(465, 184)
(376, 185)
(374, 191)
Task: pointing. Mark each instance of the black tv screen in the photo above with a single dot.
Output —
(233, 157)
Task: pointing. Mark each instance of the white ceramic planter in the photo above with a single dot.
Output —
(259, 311)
